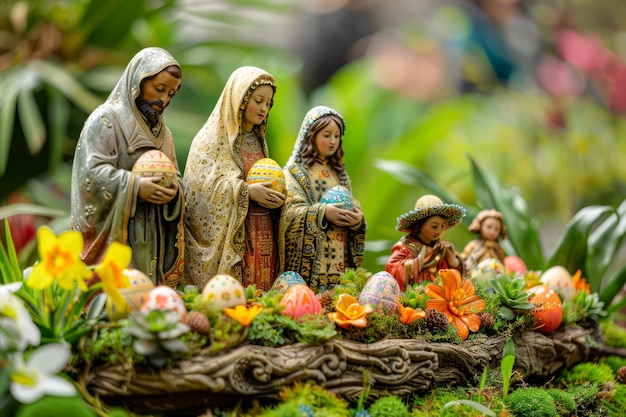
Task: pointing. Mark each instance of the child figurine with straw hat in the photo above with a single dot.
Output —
(421, 253)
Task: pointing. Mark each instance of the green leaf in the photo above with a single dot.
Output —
(412, 176)
(66, 84)
(605, 243)
(10, 270)
(14, 209)
(570, 251)
(7, 117)
(31, 121)
(615, 286)
(476, 406)
(506, 366)
(58, 116)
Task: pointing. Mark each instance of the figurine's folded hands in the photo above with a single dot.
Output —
(151, 192)
(355, 218)
(450, 255)
(265, 196)
(335, 214)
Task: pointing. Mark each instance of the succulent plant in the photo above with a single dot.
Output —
(512, 294)
(157, 334)
(590, 305)
(414, 297)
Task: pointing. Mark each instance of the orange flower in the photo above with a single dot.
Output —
(580, 283)
(244, 314)
(350, 312)
(408, 315)
(456, 299)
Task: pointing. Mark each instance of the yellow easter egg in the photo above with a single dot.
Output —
(268, 170)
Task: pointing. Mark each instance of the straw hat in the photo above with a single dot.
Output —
(427, 206)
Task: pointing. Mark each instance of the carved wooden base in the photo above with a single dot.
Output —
(396, 367)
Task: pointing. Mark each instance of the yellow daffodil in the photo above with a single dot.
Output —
(349, 312)
(408, 315)
(580, 283)
(111, 273)
(243, 314)
(59, 260)
(456, 299)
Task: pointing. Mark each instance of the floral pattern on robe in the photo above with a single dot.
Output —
(217, 201)
(309, 245)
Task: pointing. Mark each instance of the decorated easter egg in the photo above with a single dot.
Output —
(338, 194)
(268, 170)
(548, 309)
(163, 297)
(224, 291)
(560, 280)
(486, 270)
(381, 291)
(300, 300)
(135, 294)
(287, 280)
(513, 263)
(155, 163)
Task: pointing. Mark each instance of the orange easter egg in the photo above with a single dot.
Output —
(300, 300)
(135, 294)
(155, 163)
(268, 170)
(548, 309)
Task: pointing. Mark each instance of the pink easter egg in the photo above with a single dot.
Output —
(300, 300)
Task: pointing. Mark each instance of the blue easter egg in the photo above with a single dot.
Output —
(338, 194)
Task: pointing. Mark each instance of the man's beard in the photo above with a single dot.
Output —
(145, 107)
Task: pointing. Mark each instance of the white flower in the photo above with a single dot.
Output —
(37, 377)
(14, 318)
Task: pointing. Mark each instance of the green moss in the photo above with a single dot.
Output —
(389, 407)
(594, 373)
(70, 406)
(614, 334)
(616, 407)
(615, 362)
(564, 401)
(531, 402)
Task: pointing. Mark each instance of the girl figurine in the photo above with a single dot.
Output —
(489, 225)
(230, 226)
(319, 240)
(420, 254)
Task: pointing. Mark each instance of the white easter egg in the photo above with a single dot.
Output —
(224, 291)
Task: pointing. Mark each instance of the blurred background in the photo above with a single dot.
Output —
(533, 91)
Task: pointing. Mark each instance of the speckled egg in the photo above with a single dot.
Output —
(287, 280)
(135, 295)
(268, 170)
(164, 298)
(381, 291)
(155, 163)
(224, 291)
(338, 194)
(548, 309)
(300, 300)
(560, 280)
